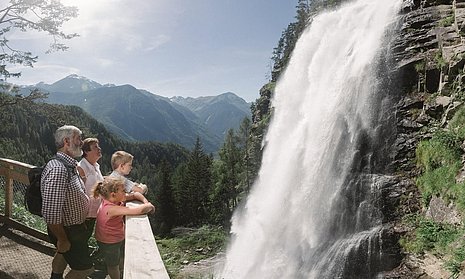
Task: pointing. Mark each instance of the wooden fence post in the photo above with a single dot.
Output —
(9, 192)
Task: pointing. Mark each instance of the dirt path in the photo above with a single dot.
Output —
(202, 269)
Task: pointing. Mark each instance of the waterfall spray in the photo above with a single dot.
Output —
(313, 206)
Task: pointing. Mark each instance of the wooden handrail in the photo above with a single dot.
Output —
(141, 250)
(142, 258)
(16, 171)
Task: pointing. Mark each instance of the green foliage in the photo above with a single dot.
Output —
(20, 214)
(305, 11)
(192, 183)
(26, 135)
(26, 15)
(457, 123)
(282, 52)
(440, 150)
(440, 61)
(438, 182)
(227, 175)
(447, 21)
(430, 236)
(454, 264)
(165, 215)
(440, 159)
(420, 66)
(457, 86)
(191, 247)
(12, 95)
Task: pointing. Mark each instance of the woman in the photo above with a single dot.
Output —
(89, 170)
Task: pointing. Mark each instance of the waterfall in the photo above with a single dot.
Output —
(312, 213)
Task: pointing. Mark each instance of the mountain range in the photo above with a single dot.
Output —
(139, 115)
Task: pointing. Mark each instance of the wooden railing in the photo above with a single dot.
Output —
(142, 258)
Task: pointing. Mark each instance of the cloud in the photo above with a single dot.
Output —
(157, 42)
(105, 62)
(140, 42)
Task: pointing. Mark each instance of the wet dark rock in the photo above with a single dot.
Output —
(429, 58)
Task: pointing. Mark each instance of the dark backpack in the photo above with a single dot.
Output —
(33, 196)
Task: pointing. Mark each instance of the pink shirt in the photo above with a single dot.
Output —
(109, 230)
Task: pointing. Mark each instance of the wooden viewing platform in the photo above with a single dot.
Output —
(142, 258)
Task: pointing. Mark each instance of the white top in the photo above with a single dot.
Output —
(128, 184)
(93, 175)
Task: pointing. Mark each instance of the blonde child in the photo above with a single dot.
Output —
(121, 163)
(109, 228)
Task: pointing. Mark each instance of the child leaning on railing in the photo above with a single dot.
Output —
(109, 228)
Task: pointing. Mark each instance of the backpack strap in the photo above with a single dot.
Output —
(70, 169)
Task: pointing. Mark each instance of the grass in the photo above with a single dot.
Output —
(439, 159)
(454, 264)
(430, 236)
(447, 21)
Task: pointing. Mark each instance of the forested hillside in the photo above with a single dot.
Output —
(190, 188)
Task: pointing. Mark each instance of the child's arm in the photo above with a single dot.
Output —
(136, 196)
(136, 210)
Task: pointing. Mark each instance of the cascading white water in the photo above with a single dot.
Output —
(309, 210)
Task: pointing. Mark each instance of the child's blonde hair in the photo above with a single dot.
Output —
(107, 186)
(120, 157)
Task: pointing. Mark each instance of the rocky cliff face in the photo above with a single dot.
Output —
(428, 60)
(429, 57)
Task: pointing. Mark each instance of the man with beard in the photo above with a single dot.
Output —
(65, 206)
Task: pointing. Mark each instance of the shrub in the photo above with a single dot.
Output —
(440, 182)
(430, 236)
(439, 159)
(457, 123)
(442, 149)
(454, 264)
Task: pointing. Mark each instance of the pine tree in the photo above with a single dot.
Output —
(245, 146)
(192, 183)
(200, 182)
(164, 200)
(227, 173)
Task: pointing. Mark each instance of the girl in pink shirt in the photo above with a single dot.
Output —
(109, 228)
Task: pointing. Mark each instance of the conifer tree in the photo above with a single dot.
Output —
(181, 195)
(227, 173)
(192, 183)
(164, 199)
(244, 141)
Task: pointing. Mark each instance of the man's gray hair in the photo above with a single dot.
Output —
(66, 131)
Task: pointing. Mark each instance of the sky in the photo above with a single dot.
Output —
(186, 48)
